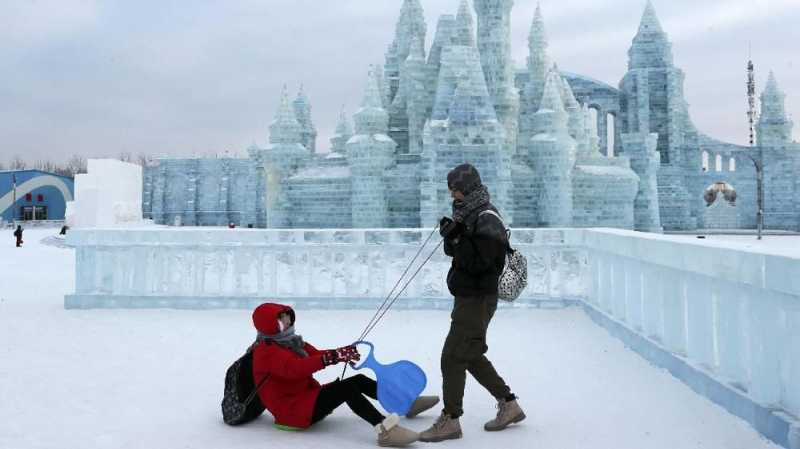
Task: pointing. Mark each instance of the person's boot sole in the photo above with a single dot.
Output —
(419, 412)
(452, 436)
(397, 445)
(516, 419)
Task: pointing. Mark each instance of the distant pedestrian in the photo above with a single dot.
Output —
(64, 230)
(18, 235)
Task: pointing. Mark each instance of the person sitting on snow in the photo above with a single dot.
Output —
(296, 400)
(476, 240)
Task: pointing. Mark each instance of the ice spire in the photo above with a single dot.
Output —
(774, 126)
(302, 110)
(552, 151)
(371, 118)
(552, 99)
(573, 108)
(465, 32)
(650, 22)
(651, 47)
(342, 134)
(285, 129)
(410, 24)
(537, 44)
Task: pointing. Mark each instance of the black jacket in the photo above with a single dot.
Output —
(479, 255)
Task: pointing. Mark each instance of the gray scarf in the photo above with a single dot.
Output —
(474, 200)
(287, 339)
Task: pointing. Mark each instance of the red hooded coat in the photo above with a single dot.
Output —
(291, 391)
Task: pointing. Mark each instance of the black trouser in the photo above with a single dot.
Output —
(464, 351)
(351, 391)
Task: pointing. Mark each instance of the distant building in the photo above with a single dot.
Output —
(39, 195)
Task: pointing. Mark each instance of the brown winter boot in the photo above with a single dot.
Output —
(391, 434)
(421, 404)
(508, 412)
(445, 428)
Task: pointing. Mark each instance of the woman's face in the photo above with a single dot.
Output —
(286, 320)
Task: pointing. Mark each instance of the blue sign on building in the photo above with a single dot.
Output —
(27, 195)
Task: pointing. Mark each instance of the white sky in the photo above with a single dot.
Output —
(199, 77)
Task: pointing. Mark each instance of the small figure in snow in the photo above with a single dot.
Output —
(477, 242)
(296, 400)
(18, 235)
(231, 225)
(64, 230)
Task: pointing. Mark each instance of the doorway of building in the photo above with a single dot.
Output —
(34, 213)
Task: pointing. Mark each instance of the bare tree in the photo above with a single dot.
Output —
(76, 165)
(18, 164)
(143, 159)
(43, 165)
(125, 157)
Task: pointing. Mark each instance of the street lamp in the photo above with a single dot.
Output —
(759, 164)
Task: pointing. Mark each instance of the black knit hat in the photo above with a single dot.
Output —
(464, 178)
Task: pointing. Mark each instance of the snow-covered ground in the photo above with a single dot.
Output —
(153, 378)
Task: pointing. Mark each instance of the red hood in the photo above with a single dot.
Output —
(265, 317)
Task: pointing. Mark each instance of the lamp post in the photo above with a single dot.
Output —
(759, 164)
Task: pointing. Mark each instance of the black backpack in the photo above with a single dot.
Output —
(240, 403)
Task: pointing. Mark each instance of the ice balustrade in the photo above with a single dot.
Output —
(732, 313)
(212, 268)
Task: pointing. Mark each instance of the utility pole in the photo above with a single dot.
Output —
(14, 200)
(758, 163)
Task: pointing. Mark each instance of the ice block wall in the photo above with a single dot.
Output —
(109, 194)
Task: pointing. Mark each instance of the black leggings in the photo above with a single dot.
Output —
(351, 391)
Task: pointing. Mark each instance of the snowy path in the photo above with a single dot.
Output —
(153, 378)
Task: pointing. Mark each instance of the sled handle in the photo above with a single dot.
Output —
(366, 359)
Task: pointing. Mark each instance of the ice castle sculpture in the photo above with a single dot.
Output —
(556, 149)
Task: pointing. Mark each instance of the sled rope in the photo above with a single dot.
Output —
(383, 304)
(383, 308)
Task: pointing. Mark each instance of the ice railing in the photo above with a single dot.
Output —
(735, 314)
(202, 267)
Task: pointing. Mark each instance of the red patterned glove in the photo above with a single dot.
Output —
(343, 354)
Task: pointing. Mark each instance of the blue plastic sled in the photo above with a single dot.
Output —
(399, 384)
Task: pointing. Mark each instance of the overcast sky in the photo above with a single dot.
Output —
(200, 77)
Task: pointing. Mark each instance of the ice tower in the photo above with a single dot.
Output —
(370, 152)
(494, 45)
(463, 128)
(653, 102)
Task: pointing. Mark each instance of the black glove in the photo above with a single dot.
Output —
(450, 229)
(343, 354)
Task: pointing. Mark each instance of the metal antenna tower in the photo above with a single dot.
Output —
(751, 99)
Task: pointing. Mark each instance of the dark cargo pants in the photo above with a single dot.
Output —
(464, 350)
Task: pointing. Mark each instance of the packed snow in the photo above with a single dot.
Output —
(153, 378)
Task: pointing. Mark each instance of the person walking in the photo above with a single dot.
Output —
(476, 239)
(18, 235)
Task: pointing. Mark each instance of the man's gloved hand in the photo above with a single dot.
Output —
(450, 229)
(339, 355)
